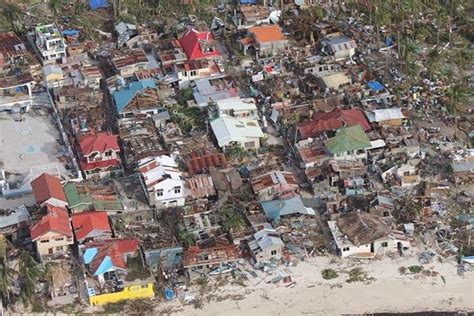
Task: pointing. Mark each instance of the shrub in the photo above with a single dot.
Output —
(329, 274)
(415, 269)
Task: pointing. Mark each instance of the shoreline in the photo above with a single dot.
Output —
(384, 291)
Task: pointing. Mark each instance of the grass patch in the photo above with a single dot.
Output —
(329, 274)
(358, 275)
(415, 269)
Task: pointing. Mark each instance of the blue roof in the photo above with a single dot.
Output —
(89, 254)
(375, 85)
(167, 257)
(97, 4)
(104, 266)
(71, 32)
(123, 97)
(276, 208)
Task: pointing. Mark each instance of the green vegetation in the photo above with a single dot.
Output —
(329, 274)
(231, 217)
(415, 269)
(358, 275)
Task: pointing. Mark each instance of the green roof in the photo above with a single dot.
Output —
(348, 139)
(81, 202)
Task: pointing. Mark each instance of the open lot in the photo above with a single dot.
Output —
(30, 146)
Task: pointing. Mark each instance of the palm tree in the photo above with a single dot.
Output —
(409, 51)
(7, 276)
(29, 273)
(231, 218)
(458, 97)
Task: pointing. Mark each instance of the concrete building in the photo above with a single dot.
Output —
(49, 42)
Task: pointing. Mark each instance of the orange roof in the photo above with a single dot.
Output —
(85, 223)
(57, 220)
(267, 33)
(47, 186)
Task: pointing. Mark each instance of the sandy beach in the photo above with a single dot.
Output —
(386, 290)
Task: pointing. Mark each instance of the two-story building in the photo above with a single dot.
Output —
(198, 45)
(52, 234)
(162, 181)
(230, 130)
(49, 42)
(265, 39)
(195, 69)
(99, 154)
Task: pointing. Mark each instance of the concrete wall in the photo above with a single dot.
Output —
(130, 292)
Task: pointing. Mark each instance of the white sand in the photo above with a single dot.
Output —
(312, 295)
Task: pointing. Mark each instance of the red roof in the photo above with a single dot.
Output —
(98, 142)
(197, 164)
(115, 249)
(57, 220)
(191, 44)
(85, 223)
(326, 121)
(101, 164)
(47, 186)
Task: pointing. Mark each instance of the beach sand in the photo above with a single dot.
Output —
(389, 291)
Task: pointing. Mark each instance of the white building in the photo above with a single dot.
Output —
(365, 235)
(236, 107)
(162, 181)
(341, 47)
(50, 42)
(229, 130)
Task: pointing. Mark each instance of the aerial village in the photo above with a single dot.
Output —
(157, 151)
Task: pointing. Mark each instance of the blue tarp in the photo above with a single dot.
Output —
(97, 4)
(388, 41)
(248, 1)
(71, 32)
(169, 293)
(375, 85)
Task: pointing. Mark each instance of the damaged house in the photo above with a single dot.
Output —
(364, 235)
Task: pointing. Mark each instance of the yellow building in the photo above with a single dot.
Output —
(128, 293)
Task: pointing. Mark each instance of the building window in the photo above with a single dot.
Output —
(108, 153)
(159, 192)
(43, 241)
(193, 73)
(249, 144)
(273, 253)
(59, 248)
(177, 190)
(345, 249)
(385, 244)
(59, 238)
